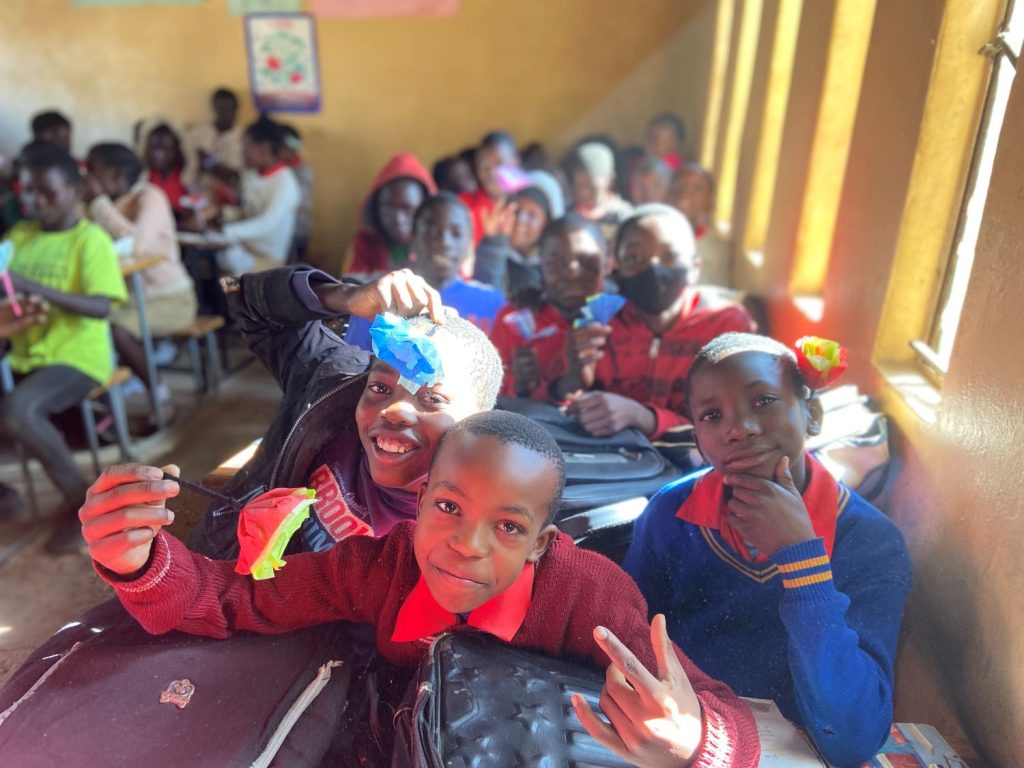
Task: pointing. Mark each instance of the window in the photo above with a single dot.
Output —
(936, 349)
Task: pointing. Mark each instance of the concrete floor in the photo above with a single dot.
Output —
(40, 592)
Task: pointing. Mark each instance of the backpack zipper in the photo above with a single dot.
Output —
(35, 686)
(295, 426)
(295, 711)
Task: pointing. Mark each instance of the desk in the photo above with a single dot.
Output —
(214, 240)
(132, 271)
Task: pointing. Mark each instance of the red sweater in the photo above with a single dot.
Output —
(367, 580)
(550, 349)
(652, 369)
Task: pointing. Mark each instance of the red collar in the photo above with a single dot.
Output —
(273, 169)
(421, 616)
(700, 230)
(296, 161)
(705, 507)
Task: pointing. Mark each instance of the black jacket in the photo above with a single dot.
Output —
(321, 377)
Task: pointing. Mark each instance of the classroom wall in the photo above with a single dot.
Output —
(544, 70)
(958, 495)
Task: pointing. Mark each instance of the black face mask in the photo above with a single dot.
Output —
(655, 289)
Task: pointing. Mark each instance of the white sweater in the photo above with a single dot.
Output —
(268, 207)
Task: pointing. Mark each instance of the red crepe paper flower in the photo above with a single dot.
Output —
(821, 361)
(264, 527)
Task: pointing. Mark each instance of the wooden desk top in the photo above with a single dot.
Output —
(140, 264)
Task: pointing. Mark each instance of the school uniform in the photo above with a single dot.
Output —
(651, 369)
(813, 627)
(262, 239)
(552, 329)
(225, 147)
(550, 608)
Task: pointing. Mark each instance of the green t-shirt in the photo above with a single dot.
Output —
(78, 260)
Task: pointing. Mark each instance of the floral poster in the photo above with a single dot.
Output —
(283, 69)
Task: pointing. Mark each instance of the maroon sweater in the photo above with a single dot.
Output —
(367, 580)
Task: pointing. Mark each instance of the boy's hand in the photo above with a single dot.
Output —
(400, 292)
(770, 514)
(500, 220)
(33, 312)
(123, 512)
(654, 721)
(605, 413)
(583, 348)
(525, 370)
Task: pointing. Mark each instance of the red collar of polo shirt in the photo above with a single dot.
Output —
(421, 616)
(273, 169)
(705, 507)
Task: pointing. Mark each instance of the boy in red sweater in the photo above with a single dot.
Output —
(632, 373)
(573, 262)
(483, 554)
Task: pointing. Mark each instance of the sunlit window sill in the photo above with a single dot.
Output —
(913, 389)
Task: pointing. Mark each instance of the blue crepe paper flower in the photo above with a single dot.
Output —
(409, 351)
(600, 308)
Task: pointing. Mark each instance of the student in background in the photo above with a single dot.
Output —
(455, 174)
(53, 127)
(649, 180)
(219, 143)
(168, 162)
(509, 254)
(497, 150)
(126, 205)
(573, 261)
(483, 551)
(291, 155)
(591, 169)
(692, 192)
(69, 263)
(441, 243)
(386, 216)
(664, 138)
(632, 372)
(771, 576)
(262, 239)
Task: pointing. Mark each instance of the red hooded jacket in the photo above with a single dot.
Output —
(371, 246)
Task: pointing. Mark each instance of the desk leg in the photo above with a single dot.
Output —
(147, 346)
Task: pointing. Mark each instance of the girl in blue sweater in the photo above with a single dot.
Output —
(773, 577)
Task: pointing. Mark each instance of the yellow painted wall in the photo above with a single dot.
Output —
(542, 69)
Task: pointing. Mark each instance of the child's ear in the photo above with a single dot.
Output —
(419, 498)
(543, 541)
(815, 414)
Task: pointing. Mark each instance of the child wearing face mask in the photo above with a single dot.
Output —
(632, 372)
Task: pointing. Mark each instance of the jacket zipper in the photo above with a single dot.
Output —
(295, 426)
(295, 711)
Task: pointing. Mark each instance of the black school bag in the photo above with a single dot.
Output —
(608, 480)
(102, 691)
(482, 703)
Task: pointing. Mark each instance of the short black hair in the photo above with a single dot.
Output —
(651, 164)
(116, 156)
(511, 428)
(686, 240)
(289, 130)
(441, 198)
(673, 121)
(442, 168)
(48, 121)
(224, 93)
(728, 344)
(497, 139)
(572, 221)
(486, 370)
(44, 155)
(266, 131)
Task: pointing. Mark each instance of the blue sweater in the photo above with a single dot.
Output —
(822, 648)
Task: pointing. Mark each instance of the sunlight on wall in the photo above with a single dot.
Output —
(716, 81)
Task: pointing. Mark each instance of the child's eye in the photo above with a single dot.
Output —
(448, 507)
(764, 400)
(510, 528)
(433, 399)
(709, 416)
(378, 388)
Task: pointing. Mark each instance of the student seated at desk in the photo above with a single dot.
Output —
(573, 262)
(632, 372)
(771, 575)
(168, 161)
(52, 127)
(664, 139)
(692, 192)
(364, 442)
(262, 238)
(219, 142)
(591, 169)
(70, 263)
(440, 245)
(127, 205)
(482, 555)
(385, 217)
(497, 150)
